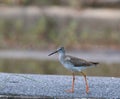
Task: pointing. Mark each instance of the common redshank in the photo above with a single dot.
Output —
(74, 64)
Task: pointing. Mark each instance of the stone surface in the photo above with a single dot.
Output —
(54, 86)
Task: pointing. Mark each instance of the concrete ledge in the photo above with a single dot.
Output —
(52, 86)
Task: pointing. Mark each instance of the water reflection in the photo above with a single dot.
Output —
(54, 67)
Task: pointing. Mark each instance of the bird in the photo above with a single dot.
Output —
(74, 64)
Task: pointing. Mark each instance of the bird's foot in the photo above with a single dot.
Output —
(70, 91)
(87, 89)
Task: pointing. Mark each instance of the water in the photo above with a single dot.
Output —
(106, 56)
(37, 62)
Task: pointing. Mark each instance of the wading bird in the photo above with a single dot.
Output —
(74, 64)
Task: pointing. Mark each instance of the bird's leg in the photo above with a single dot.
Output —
(73, 82)
(87, 87)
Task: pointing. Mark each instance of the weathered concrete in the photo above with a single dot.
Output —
(52, 86)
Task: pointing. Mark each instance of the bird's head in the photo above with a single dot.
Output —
(59, 50)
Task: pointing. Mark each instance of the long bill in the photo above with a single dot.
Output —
(53, 53)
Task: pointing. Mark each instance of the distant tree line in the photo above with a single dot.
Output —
(70, 3)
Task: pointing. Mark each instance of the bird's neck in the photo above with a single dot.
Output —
(61, 56)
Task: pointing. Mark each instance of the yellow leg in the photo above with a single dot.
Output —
(87, 87)
(73, 82)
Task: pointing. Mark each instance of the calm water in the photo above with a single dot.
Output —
(54, 67)
(106, 56)
(40, 63)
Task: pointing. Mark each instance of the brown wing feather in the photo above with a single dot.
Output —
(79, 62)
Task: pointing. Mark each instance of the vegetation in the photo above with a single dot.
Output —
(46, 32)
(71, 3)
(78, 4)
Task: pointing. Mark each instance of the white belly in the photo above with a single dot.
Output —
(71, 67)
